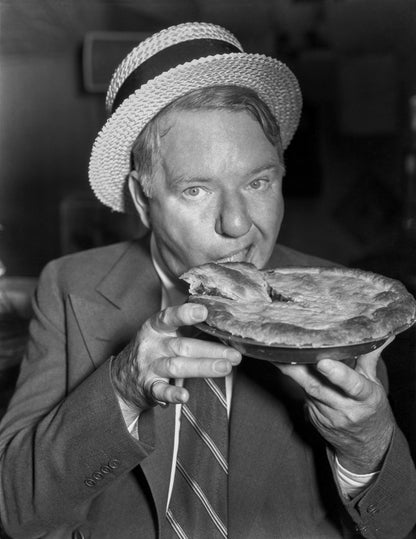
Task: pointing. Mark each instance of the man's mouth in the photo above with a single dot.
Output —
(241, 255)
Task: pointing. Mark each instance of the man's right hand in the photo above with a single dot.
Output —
(159, 352)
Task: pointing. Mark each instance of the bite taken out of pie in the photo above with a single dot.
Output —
(301, 306)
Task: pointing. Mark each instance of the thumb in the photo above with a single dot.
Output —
(367, 363)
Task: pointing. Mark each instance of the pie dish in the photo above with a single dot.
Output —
(290, 354)
(300, 307)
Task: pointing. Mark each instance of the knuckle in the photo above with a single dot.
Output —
(145, 386)
(178, 346)
(349, 419)
(313, 388)
(172, 367)
(170, 393)
(357, 388)
(157, 390)
(164, 316)
(344, 419)
(146, 328)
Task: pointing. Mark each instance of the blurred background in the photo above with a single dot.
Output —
(351, 182)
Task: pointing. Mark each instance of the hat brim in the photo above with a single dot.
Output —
(110, 159)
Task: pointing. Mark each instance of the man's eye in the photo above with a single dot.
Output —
(194, 192)
(259, 184)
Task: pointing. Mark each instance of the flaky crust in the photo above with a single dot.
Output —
(236, 280)
(308, 307)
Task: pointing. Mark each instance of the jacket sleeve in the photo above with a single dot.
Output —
(50, 433)
(387, 509)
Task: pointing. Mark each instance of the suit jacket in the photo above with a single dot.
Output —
(69, 467)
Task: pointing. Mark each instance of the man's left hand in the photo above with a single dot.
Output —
(349, 407)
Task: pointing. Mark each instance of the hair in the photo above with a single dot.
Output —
(146, 148)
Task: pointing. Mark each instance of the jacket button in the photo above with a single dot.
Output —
(372, 509)
(97, 476)
(89, 483)
(114, 463)
(105, 469)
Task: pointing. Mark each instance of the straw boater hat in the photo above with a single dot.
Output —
(166, 66)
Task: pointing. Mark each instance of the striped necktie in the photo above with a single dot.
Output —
(198, 505)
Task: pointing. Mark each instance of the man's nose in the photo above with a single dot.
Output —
(233, 218)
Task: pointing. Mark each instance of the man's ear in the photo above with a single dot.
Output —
(140, 200)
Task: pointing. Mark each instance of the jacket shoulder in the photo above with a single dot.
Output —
(83, 268)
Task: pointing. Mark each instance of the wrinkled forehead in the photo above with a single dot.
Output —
(212, 144)
(208, 120)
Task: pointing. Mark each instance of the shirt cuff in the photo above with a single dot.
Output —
(352, 484)
(130, 416)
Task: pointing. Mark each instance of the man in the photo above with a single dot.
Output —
(92, 445)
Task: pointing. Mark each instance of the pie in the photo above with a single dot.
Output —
(301, 306)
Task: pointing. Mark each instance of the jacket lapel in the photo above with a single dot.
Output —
(110, 315)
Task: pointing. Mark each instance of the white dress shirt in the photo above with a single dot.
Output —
(351, 484)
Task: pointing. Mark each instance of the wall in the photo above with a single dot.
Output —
(354, 60)
(49, 122)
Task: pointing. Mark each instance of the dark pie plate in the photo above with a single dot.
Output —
(292, 354)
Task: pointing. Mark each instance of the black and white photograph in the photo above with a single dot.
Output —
(207, 269)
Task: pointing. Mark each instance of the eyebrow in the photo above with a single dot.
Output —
(182, 179)
(269, 166)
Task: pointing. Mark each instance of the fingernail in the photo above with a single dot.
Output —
(182, 397)
(198, 311)
(222, 367)
(232, 355)
(324, 366)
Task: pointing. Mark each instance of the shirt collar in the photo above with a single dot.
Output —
(171, 295)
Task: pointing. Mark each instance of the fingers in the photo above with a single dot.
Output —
(182, 367)
(351, 382)
(182, 357)
(329, 381)
(298, 373)
(159, 353)
(186, 358)
(163, 393)
(187, 347)
(356, 383)
(160, 391)
(173, 318)
(309, 380)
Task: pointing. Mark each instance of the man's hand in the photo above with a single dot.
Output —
(349, 407)
(159, 353)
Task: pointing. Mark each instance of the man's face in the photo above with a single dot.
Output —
(217, 192)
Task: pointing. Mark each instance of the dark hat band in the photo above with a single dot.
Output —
(166, 59)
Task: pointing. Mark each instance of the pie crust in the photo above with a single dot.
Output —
(301, 306)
